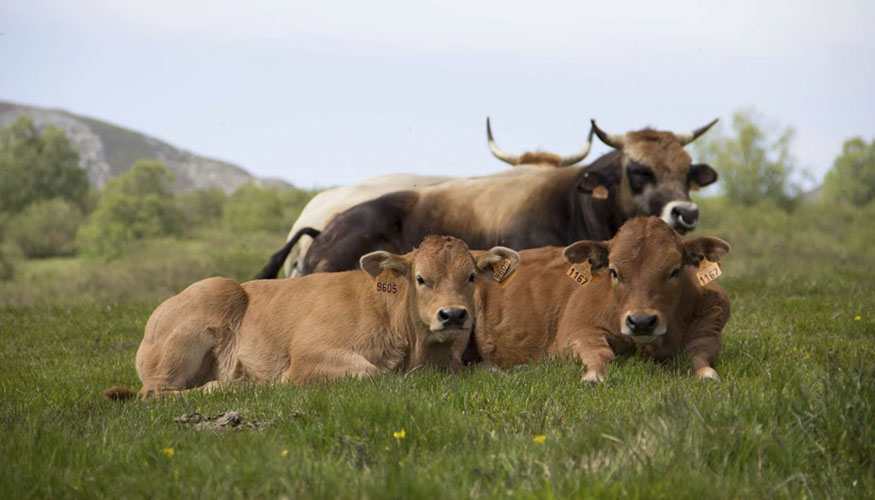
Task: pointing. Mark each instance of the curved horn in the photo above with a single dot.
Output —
(689, 137)
(496, 151)
(571, 160)
(615, 141)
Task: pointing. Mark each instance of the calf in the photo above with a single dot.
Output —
(402, 312)
(648, 287)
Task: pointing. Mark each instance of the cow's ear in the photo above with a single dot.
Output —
(496, 255)
(596, 183)
(701, 175)
(696, 249)
(374, 263)
(595, 251)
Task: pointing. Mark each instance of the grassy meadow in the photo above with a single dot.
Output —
(792, 418)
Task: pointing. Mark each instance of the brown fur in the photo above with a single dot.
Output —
(543, 159)
(315, 328)
(543, 312)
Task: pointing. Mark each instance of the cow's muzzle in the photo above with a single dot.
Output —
(643, 326)
(682, 216)
(452, 317)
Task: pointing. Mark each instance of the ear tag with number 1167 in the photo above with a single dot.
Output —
(708, 271)
(580, 272)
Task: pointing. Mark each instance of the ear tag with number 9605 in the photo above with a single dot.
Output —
(386, 282)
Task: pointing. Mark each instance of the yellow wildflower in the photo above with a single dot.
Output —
(284, 453)
(168, 451)
(400, 434)
(857, 318)
(540, 438)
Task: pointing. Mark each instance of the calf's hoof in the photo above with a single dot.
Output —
(706, 372)
(592, 378)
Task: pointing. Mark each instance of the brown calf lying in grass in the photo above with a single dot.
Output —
(319, 327)
(594, 299)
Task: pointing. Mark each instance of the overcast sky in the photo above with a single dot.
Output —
(330, 92)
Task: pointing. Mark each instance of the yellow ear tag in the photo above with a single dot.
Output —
(386, 282)
(580, 273)
(600, 193)
(499, 272)
(708, 271)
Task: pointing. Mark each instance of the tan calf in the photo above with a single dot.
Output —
(642, 292)
(319, 327)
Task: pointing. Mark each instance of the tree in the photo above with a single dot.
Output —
(754, 161)
(47, 228)
(252, 208)
(852, 177)
(134, 206)
(38, 166)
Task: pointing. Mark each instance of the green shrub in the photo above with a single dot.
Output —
(252, 208)
(132, 207)
(202, 207)
(47, 228)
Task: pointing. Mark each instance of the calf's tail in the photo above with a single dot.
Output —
(119, 393)
(276, 260)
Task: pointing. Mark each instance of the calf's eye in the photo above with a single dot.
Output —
(613, 273)
(472, 277)
(419, 280)
(676, 273)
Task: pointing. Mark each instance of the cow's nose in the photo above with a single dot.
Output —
(452, 316)
(642, 324)
(685, 215)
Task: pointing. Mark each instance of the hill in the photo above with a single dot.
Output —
(107, 151)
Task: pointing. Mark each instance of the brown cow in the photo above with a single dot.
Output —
(642, 290)
(317, 328)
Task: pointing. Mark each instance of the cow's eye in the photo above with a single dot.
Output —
(472, 277)
(613, 273)
(639, 176)
(419, 280)
(676, 273)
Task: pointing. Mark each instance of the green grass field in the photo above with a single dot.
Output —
(793, 417)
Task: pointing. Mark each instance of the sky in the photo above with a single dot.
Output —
(332, 92)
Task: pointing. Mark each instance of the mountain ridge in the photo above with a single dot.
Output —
(107, 150)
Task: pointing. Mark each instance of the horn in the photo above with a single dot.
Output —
(615, 141)
(571, 160)
(689, 137)
(496, 151)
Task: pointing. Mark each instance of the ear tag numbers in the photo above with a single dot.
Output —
(708, 271)
(386, 282)
(500, 272)
(580, 272)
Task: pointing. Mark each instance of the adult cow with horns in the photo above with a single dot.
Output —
(649, 173)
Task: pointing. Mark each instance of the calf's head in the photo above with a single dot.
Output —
(650, 174)
(648, 264)
(440, 275)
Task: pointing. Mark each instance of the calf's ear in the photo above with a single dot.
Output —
(701, 175)
(374, 263)
(696, 249)
(495, 255)
(595, 251)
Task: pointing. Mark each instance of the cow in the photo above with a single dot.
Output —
(650, 174)
(327, 204)
(402, 312)
(647, 288)
(539, 159)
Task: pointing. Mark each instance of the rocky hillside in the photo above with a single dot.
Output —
(107, 150)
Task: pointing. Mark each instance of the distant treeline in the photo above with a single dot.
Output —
(48, 209)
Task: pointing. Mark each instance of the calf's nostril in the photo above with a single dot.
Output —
(443, 317)
(642, 322)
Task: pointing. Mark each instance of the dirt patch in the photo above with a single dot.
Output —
(229, 420)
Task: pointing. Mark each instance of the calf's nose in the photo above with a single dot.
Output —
(452, 316)
(642, 324)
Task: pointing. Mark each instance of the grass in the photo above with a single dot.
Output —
(792, 417)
